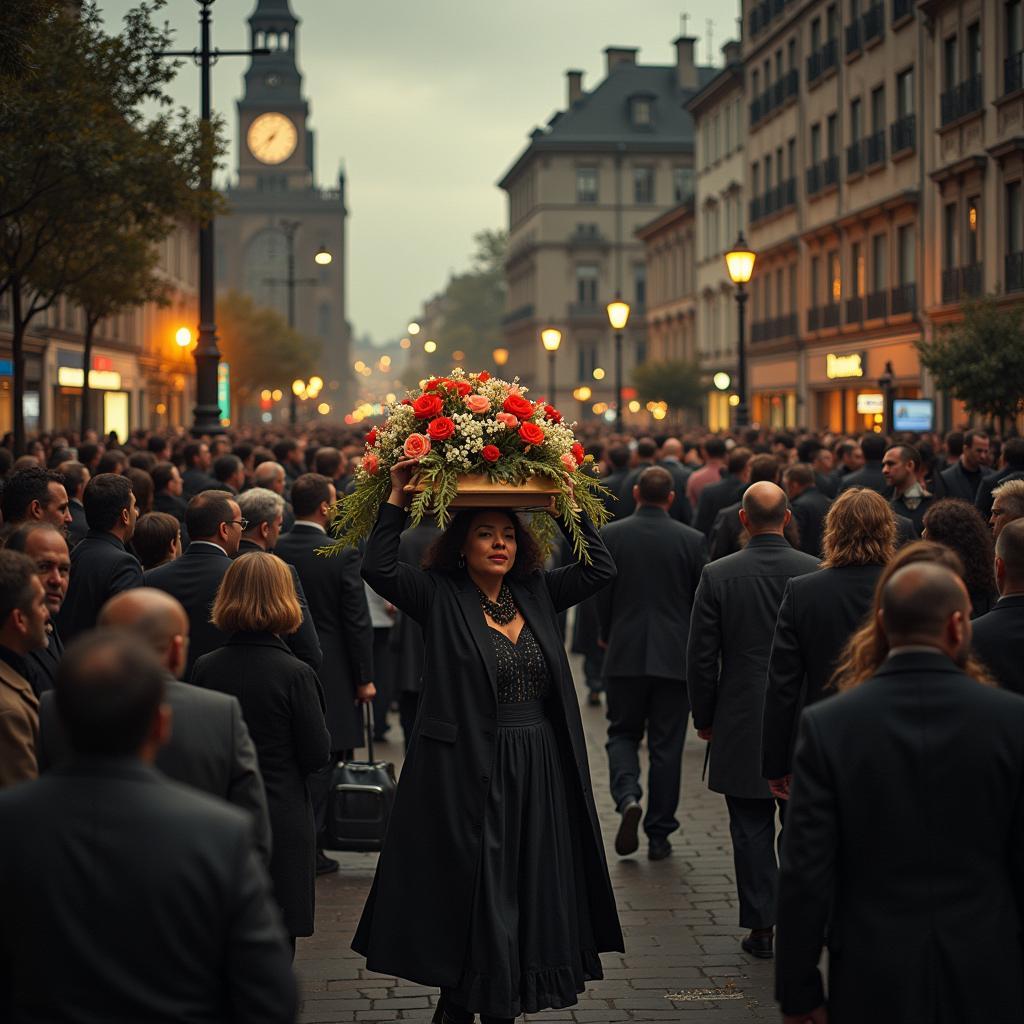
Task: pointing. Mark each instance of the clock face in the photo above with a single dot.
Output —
(272, 138)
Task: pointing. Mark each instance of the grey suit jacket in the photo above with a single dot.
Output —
(209, 749)
(731, 628)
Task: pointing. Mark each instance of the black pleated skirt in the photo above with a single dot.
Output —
(531, 946)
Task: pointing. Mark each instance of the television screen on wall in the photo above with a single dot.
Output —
(914, 414)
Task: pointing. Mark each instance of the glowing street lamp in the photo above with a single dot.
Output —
(500, 356)
(323, 257)
(298, 391)
(618, 317)
(551, 338)
(739, 261)
(413, 328)
(721, 380)
(183, 337)
(430, 347)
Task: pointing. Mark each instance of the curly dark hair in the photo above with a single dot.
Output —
(958, 524)
(445, 552)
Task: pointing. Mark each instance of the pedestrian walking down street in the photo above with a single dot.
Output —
(731, 627)
(492, 884)
(645, 619)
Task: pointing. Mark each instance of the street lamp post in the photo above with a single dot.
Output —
(739, 261)
(206, 415)
(551, 338)
(618, 317)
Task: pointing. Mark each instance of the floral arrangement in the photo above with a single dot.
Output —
(473, 423)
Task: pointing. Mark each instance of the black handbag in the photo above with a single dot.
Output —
(360, 801)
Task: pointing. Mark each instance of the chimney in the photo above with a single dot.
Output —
(575, 80)
(731, 52)
(686, 62)
(619, 56)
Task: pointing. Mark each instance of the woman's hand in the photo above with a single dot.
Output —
(401, 474)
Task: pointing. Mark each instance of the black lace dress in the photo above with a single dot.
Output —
(530, 945)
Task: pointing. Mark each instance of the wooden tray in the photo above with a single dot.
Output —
(476, 491)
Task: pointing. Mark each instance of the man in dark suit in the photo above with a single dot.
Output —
(716, 496)
(870, 475)
(129, 870)
(1013, 469)
(271, 475)
(617, 459)
(289, 455)
(196, 477)
(646, 450)
(818, 614)
(101, 565)
(731, 627)
(999, 634)
(671, 458)
(229, 472)
(36, 495)
(210, 747)
(49, 553)
(901, 466)
(727, 533)
(808, 504)
(76, 476)
(964, 477)
(645, 618)
(871, 856)
(167, 490)
(848, 459)
(819, 458)
(1007, 505)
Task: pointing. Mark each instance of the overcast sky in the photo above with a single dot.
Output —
(427, 103)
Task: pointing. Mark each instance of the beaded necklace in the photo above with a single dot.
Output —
(502, 611)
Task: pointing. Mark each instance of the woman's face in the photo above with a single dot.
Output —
(490, 547)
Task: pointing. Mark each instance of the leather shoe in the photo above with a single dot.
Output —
(759, 943)
(659, 849)
(626, 840)
(325, 865)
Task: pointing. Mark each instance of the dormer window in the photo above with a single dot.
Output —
(641, 111)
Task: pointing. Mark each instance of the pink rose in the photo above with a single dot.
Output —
(477, 404)
(508, 420)
(416, 446)
(569, 462)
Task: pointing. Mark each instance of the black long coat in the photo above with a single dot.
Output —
(406, 640)
(904, 832)
(416, 919)
(101, 566)
(283, 708)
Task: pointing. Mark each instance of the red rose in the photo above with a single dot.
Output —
(518, 406)
(371, 464)
(578, 453)
(371, 437)
(434, 383)
(406, 401)
(427, 407)
(461, 386)
(491, 452)
(441, 429)
(484, 378)
(531, 433)
(551, 413)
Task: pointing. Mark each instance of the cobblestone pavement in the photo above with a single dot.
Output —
(682, 959)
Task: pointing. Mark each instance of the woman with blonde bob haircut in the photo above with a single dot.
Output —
(282, 704)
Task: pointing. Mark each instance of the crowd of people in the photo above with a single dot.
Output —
(180, 669)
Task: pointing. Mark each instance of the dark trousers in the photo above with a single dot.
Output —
(752, 827)
(593, 662)
(382, 662)
(661, 708)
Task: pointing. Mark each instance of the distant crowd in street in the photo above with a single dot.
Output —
(181, 668)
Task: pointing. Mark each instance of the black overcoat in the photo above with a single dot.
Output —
(283, 708)
(416, 920)
(101, 566)
(406, 640)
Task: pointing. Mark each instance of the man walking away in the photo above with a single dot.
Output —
(919, 903)
(645, 618)
(999, 634)
(808, 504)
(1012, 458)
(731, 627)
(964, 477)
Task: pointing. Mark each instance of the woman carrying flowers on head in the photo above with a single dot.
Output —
(492, 884)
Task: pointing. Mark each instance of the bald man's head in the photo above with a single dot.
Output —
(765, 509)
(926, 603)
(156, 618)
(672, 448)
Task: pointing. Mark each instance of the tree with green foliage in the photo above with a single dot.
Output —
(677, 383)
(260, 347)
(78, 157)
(980, 359)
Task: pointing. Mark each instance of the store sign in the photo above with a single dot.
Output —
(224, 392)
(838, 367)
(99, 380)
(870, 405)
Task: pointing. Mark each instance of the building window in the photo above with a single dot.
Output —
(767, 171)
(755, 177)
(833, 134)
(643, 185)
(1014, 28)
(973, 230)
(791, 273)
(974, 50)
(950, 60)
(815, 282)
(815, 145)
(856, 123)
(835, 277)
(643, 111)
(586, 184)
(682, 184)
(1013, 217)
(905, 93)
(878, 110)
(857, 266)
(950, 248)
(878, 278)
(586, 284)
(640, 284)
(815, 35)
(905, 250)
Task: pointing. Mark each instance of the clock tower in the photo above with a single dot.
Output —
(276, 204)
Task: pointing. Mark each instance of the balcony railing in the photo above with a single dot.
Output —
(855, 157)
(904, 298)
(1013, 73)
(774, 328)
(755, 111)
(961, 282)
(522, 313)
(877, 305)
(813, 318)
(585, 310)
(901, 9)
(853, 37)
(971, 278)
(790, 84)
(814, 180)
(854, 310)
(903, 134)
(830, 315)
(1014, 271)
(831, 165)
(961, 100)
(775, 199)
(873, 22)
(822, 174)
(874, 148)
(823, 60)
